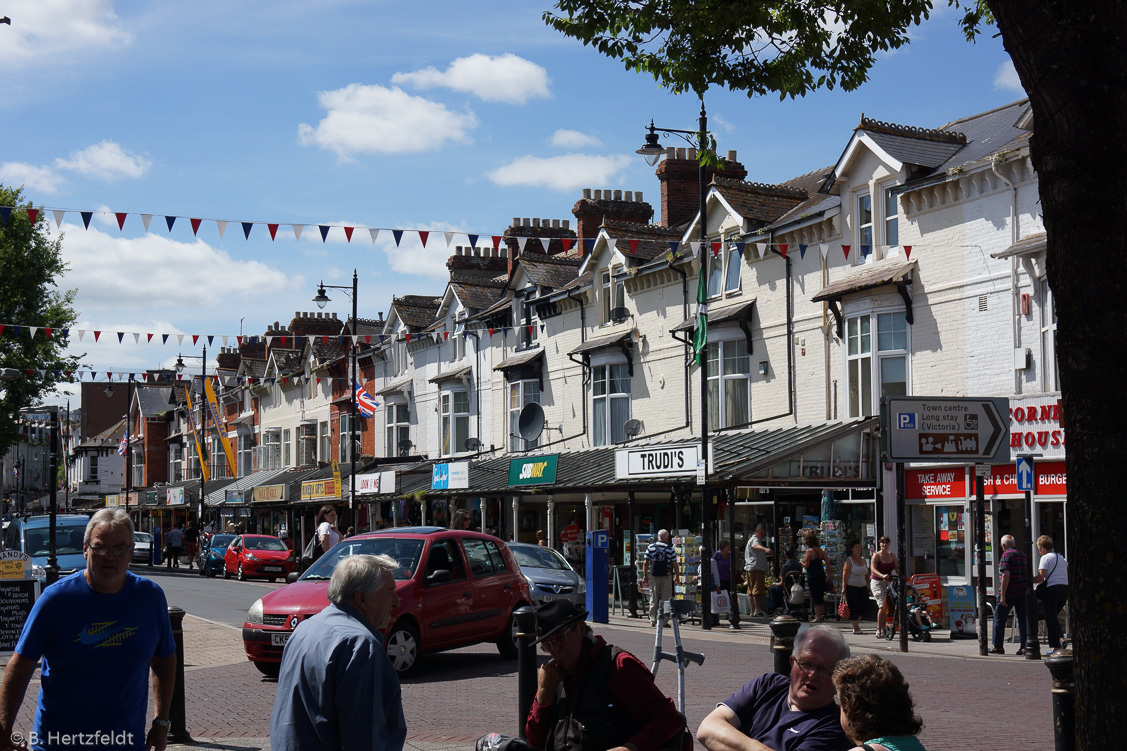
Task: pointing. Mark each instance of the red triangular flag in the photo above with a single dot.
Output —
(324, 341)
(367, 338)
(907, 251)
(195, 338)
(195, 225)
(239, 339)
(1, 329)
(445, 335)
(150, 338)
(716, 249)
(423, 235)
(96, 335)
(491, 331)
(47, 333)
(121, 219)
(633, 247)
(32, 215)
(273, 230)
(496, 242)
(348, 234)
(566, 243)
(845, 249)
(783, 249)
(408, 338)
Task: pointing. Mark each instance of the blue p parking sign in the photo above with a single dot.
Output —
(906, 420)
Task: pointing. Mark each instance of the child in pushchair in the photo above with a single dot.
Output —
(920, 623)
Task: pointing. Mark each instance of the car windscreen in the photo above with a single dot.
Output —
(68, 540)
(538, 557)
(406, 552)
(263, 543)
(218, 542)
(144, 537)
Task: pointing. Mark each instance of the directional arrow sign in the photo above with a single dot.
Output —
(965, 429)
(1025, 474)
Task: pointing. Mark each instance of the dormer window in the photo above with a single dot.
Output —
(864, 221)
(529, 324)
(891, 218)
(612, 293)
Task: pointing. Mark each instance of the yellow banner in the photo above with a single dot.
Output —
(213, 405)
(313, 489)
(336, 474)
(204, 471)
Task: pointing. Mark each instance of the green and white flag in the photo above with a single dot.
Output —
(700, 335)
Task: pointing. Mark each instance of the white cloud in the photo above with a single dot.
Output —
(154, 272)
(572, 139)
(370, 119)
(39, 179)
(504, 78)
(1006, 78)
(562, 173)
(107, 161)
(410, 257)
(47, 31)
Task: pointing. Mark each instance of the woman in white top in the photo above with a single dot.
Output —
(1053, 569)
(327, 531)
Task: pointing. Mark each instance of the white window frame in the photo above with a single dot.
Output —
(270, 450)
(716, 270)
(454, 420)
(522, 393)
(605, 376)
(1050, 374)
(193, 470)
(866, 231)
(344, 424)
(719, 355)
(287, 448)
(92, 467)
(324, 440)
(870, 363)
(526, 318)
(890, 218)
(612, 293)
(733, 262)
(397, 420)
(245, 454)
(307, 444)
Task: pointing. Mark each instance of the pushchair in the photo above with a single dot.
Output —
(920, 624)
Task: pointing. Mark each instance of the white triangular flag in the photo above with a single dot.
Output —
(222, 226)
(81, 333)
(521, 242)
(611, 243)
(825, 251)
(145, 219)
(376, 233)
(58, 216)
(761, 249)
(179, 338)
(449, 237)
(136, 338)
(297, 231)
(33, 329)
(695, 245)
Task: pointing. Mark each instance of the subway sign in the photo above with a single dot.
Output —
(656, 461)
(536, 470)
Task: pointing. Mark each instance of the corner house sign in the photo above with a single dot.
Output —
(656, 461)
(535, 470)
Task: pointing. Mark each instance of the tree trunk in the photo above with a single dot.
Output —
(1070, 57)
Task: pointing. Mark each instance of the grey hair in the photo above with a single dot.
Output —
(1008, 541)
(828, 633)
(108, 517)
(359, 573)
(663, 535)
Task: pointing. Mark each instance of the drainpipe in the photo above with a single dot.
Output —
(583, 368)
(826, 340)
(1015, 291)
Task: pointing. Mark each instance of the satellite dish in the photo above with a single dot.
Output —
(472, 444)
(530, 422)
(618, 315)
(404, 447)
(632, 427)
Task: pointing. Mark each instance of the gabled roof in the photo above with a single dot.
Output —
(653, 240)
(111, 437)
(416, 311)
(153, 401)
(552, 272)
(757, 202)
(478, 295)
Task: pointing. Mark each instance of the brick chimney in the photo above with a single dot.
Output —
(679, 176)
(477, 263)
(316, 324)
(535, 230)
(228, 358)
(598, 206)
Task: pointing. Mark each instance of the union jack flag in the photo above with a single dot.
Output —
(123, 446)
(365, 402)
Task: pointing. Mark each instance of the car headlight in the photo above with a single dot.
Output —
(254, 615)
(531, 584)
(582, 588)
(251, 557)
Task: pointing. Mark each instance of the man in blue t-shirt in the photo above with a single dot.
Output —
(102, 627)
(778, 713)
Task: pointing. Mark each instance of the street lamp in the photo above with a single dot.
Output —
(322, 300)
(652, 151)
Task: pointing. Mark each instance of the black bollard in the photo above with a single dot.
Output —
(783, 630)
(1060, 667)
(178, 732)
(526, 664)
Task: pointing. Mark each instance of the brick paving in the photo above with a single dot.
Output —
(458, 696)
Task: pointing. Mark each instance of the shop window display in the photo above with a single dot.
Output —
(951, 541)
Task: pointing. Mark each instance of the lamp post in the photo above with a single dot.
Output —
(322, 300)
(52, 568)
(652, 151)
(180, 366)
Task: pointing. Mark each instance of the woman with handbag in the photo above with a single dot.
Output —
(855, 575)
(1052, 575)
(882, 567)
(817, 577)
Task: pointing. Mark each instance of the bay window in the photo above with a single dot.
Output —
(398, 427)
(610, 407)
(520, 394)
(455, 413)
(888, 376)
(729, 383)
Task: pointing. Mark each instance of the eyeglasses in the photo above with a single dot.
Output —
(104, 551)
(809, 667)
(552, 643)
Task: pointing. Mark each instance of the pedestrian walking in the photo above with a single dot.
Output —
(755, 566)
(659, 566)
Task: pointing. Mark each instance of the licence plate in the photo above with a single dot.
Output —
(279, 640)
(272, 569)
(550, 598)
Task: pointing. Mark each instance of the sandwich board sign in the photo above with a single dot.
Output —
(955, 429)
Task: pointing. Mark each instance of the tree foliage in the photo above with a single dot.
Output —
(30, 264)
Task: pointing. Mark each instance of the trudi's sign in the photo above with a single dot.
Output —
(656, 461)
(538, 470)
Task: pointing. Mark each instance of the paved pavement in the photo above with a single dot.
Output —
(459, 696)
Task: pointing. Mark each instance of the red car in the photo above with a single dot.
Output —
(261, 556)
(455, 588)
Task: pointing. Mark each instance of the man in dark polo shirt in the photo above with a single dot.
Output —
(1014, 569)
(778, 713)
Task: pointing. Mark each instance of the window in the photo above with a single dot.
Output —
(484, 556)
(734, 262)
(715, 269)
(864, 220)
(529, 325)
(307, 445)
(892, 360)
(399, 357)
(246, 454)
(346, 437)
(91, 468)
(217, 459)
(286, 448)
(729, 373)
(457, 343)
(612, 293)
(891, 218)
(325, 441)
(455, 409)
(520, 394)
(270, 452)
(610, 403)
(398, 427)
(137, 460)
(1050, 375)
(193, 463)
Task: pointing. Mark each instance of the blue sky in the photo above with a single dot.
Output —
(439, 116)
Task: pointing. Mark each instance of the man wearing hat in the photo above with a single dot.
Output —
(595, 697)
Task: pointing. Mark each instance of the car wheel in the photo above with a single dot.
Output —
(208, 572)
(226, 572)
(242, 574)
(269, 669)
(403, 647)
(507, 641)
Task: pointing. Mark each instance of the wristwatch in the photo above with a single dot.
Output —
(166, 724)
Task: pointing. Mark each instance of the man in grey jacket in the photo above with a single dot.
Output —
(337, 689)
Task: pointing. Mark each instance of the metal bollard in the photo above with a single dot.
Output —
(783, 630)
(1060, 666)
(178, 732)
(526, 664)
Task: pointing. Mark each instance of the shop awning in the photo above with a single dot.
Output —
(452, 375)
(218, 496)
(896, 272)
(620, 341)
(1027, 246)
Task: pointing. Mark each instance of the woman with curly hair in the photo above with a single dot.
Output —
(877, 711)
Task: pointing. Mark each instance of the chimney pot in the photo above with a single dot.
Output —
(587, 193)
(555, 224)
(516, 221)
(638, 196)
(566, 222)
(599, 195)
(731, 157)
(618, 195)
(629, 195)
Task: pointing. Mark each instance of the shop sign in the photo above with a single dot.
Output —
(237, 496)
(945, 428)
(113, 500)
(314, 489)
(656, 461)
(374, 483)
(174, 496)
(451, 476)
(1035, 426)
(538, 470)
(945, 484)
(16, 600)
(268, 493)
(1051, 478)
(14, 565)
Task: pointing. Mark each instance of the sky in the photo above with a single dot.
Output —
(437, 116)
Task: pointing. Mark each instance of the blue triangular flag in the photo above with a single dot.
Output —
(324, 231)
(865, 250)
(120, 336)
(473, 240)
(170, 220)
(5, 212)
(740, 247)
(164, 338)
(86, 217)
(673, 246)
(398, 235)
(210, 338)
(246, 229)
(802, 251)
(589, 242)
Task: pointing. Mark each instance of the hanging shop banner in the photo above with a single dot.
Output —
(336, 473)
(537, 470)
(204, 470)
(451, 476)
(268, 493)
(316, 489)
(1035, 426)
(213, 407)
(174, 496)
(948, 483)
(374, 483)
(656, 461)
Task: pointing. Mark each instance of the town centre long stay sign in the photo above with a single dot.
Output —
(656, 461)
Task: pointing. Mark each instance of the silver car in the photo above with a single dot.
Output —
(550, 576)
(142, 547)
